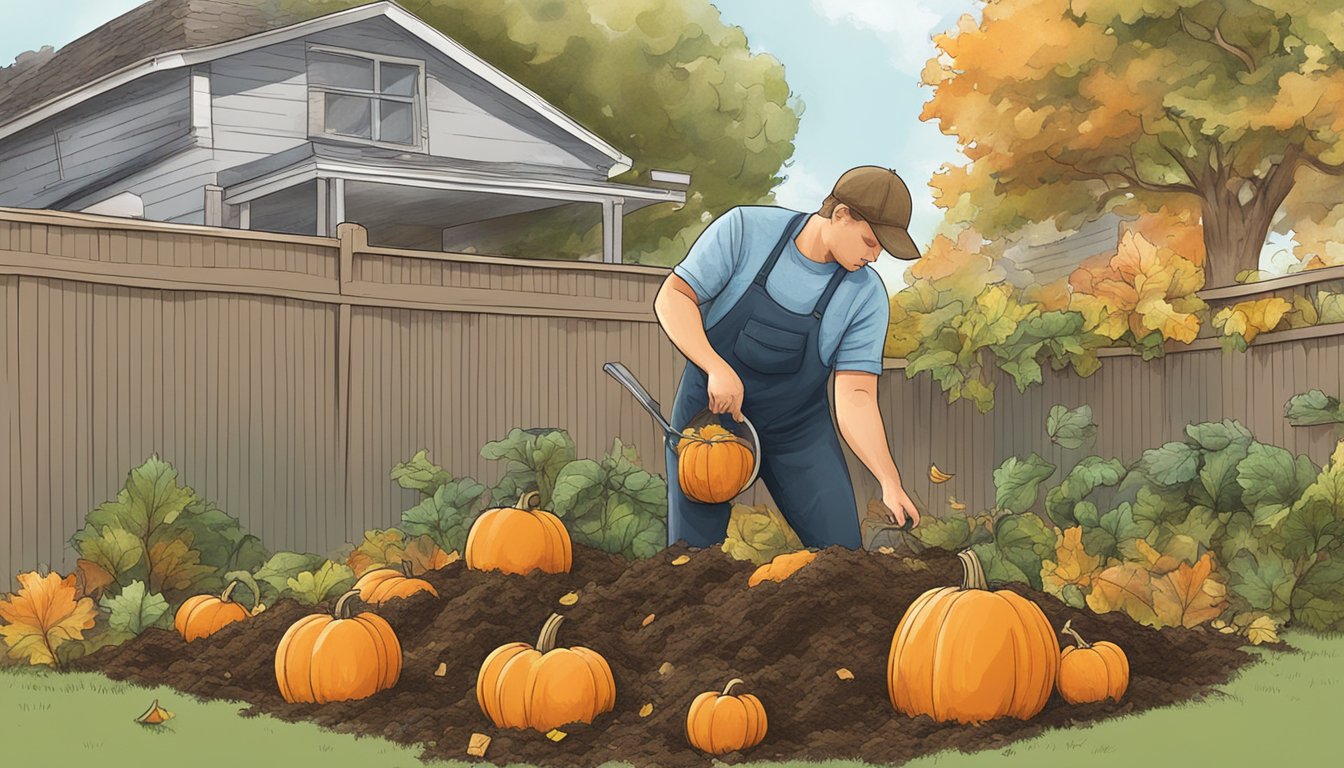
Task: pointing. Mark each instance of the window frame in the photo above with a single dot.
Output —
(419, 101)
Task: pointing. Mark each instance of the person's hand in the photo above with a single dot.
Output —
(900, 507)
(725, 391)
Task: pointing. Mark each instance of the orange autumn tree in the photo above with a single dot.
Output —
(1069, 108)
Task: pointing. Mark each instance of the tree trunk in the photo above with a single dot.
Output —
(1234, 235)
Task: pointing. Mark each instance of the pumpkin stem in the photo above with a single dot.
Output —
(406, 568)
(729, 686)
(972, 572)
(341, 607)
(529, 501)
(227, 595)
(1077, 638)
(549, 630)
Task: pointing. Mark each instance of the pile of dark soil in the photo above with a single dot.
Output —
(785, 640)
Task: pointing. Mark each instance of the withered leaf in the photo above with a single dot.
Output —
(44, 614)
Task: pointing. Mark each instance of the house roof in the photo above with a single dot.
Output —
(170, 34)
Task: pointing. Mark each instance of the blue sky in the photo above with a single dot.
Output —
(854, 63)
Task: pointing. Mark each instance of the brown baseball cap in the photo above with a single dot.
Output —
(880, 197)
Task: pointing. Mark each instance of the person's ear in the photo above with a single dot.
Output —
(842, 212)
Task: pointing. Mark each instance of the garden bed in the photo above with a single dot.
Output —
(786, 640)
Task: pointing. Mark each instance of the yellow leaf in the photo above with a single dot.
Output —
(1263, 630)
(43, 615)
(569, 598)
(154, 715)
(478, 745)
(886, 550)
(1123, 587)
(647, 620)
(378, 550)
(844, 674)
(646, 710)
(681, 560)
(258, 608)
(555, 734)
(1072, 563)
(1251, 318)
(1188, 595)
(442, 670)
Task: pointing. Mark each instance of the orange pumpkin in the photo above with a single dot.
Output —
(968, 654)
(1091, 672)
(204, 615)
(519, 540)
(326, 658)
(713, 464)
(379, 585)
(545, 687)
(782, 567)
(719, 723)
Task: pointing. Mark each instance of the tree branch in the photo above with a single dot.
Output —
(1133, 180)
(1326, 168)
(1218, 40)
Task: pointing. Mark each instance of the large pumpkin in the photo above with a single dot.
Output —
(382, 584)
(719, 723)
(204, 615)
(968, 654)
(713, 464)
(519, 540)
(782, 567)
(544, 687)
(1091, 672)
(326, 658)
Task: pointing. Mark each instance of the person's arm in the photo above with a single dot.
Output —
(861, 426)
(678, 312)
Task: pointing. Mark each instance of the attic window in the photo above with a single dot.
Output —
(366, 97)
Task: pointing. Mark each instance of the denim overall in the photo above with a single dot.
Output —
(775, 352)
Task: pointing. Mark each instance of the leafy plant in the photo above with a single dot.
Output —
(613, 505)
(420, 474)
(390, 547)
(134, 610)
(46, 613)
(1071, 428)
(1243, 321)
(1017, 483)
(273, 578)
(446, 515)
(328, 581)
(1312, 408)
(758, 534)
(532, 461)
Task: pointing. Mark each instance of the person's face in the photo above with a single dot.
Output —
(851, 240)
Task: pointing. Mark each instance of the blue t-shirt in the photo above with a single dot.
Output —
(733, 248)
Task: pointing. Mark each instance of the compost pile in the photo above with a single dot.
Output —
(786, 640)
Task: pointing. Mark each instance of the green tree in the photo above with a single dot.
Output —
(1068, 108)
(665, 81)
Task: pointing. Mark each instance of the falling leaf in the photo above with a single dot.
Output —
(937, 476)
(478, 745)
(42, 615)
(886, 550)
(647, 620)
(1262, 630)
(666, 669)
(646, 710)
(957, 505)
(681, 560)
(555, 734)
(154, 715)
(569, 598)
(844, 674)
(442, 670)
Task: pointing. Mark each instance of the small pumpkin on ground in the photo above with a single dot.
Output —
(519, 540)
(544, 687)
(969, 654)
(379, 585)
(782, 567)
(714, 464)
(1090, 672)
(324, 658)
(204, 615)
(722, 722)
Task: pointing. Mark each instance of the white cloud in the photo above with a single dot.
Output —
(906, 26)
(803, 190)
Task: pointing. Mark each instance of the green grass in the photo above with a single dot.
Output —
(1288, 704)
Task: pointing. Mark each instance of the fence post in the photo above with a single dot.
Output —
(354, 238)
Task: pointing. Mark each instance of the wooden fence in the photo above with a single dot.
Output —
(284, 376)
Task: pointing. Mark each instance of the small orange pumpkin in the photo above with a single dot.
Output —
(782, 567)
(379, 585)
(324, 658)
(1091, 672)
(519, 540)
(968, 654)
(719, 723)
(713, 464)
(545, 687)
(204, 615)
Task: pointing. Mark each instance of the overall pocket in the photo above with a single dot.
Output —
(767, 349)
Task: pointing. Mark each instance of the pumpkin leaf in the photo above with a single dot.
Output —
(1071, 428)
(219, 538)
(1313, 408)
(378, 550)
(1318, 599)
(758, 534)
(1218, 487)
(1173, 464)
(113, 550)
(43, 615)
(614, 505)
(533, 459)
(998, 568)
(425, 556)
(133, 611)
(1016, 483)
(328, 581)
(950, 533)
(447, 515)
(1087, 475)
(175, 566)
(1189, 595)
(420, 474)
(282, 567)
(1215, 436)
(1115, 534)
(1271, 481)
(1316, 520)
(1263, 629)
(93, 578)
(1124, 587)
(1025, 541)
(1263, 581)
(1070, 565)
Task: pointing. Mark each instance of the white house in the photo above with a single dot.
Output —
(235, 113)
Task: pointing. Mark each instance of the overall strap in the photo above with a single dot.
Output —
(826, 295)
(790, 231)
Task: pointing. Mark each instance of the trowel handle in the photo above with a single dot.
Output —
(627, 379)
